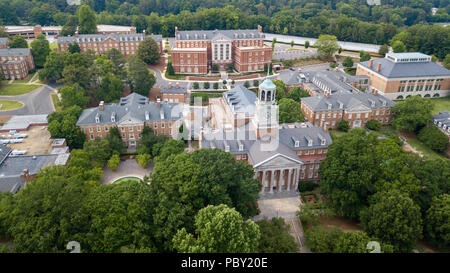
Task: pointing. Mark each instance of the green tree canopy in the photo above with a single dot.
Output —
(433, 138)
(62, 124)
(412, 114)
(275, 237)
(398, 47)
(290, 111)
(148, 51)
(40, 49)
(87, 20)
(139, 77)
(297, 94)
(70, 27)
(18, 42)
(219, 229)
(437, 222)
(73, 95)
(326, 45)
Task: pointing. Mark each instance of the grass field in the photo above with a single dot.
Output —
(55, 101)
(441, 104)
(53, 46)
(16, 89)
(134, 179)
(9, 105)
(424, 149)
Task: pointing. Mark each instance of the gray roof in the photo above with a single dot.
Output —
(4, 41)
(443, 117)
(240, 100)
(221, 139)
(288, 136)
(4, 152)
(11, 52)
(332, 81)
(131, 108)
(258, 155)
(174, 90)
(210, 34)
(289, 77)
(391, 69)
(22, 122)
(103, 37)
(13, 166)
(348, 100)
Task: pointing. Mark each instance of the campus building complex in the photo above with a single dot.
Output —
(15, 63)
(197, 52)
(245, 124)
(401, 75)
(127, 44)
(130, 115)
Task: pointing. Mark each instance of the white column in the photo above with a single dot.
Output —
(263, 181)
(282, 179)
(297, 172)
(271, 181)
(289, 179)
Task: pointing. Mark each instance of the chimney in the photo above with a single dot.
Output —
(375, 92)
(371, 63)
(101, 106)
(25, 176)
(378, 67)
(259, 28)
(158, 100)
(326, 94)
(177, 85)
(170, 85)
(176, 30)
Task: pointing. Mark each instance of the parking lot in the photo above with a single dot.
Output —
(37, 141)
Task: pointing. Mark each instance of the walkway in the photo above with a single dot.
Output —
(127, 168)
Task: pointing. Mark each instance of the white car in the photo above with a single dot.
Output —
(12, 132)
(15, 140)
(20, 135)
(18, 152)
(4, 141)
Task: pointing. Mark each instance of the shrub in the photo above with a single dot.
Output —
(170, 70)
(348, 62)
(196, 86)
(206, 85)
(114, 161)
(373, 124)
(306, 44)
(433, 138)
(144, 160)
(246, 84)
(307, 186)
(224, 82)
(343, 126)
(216, 85)
(255, 83)
(333, 65)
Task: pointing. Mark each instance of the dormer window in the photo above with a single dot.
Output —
(323, 141)
(97, 118)
(241, 147)
(310, 142)
(227, 148)
(147, 115)
(113, 117)
(297, 143)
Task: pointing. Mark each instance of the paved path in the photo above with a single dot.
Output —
(36, 102)
(127, 168)
(297, 232)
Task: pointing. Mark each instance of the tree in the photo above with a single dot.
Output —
(144, 160)
(62, 124)
(255, 83)
(114, 161)
(111, 89)
(185, 183)
(76, 74)
(343, 126)
(120, 218)
(446, 61)
(437, 222)
(170, 147)
(206, 85)
(216, 85)
(147, 140)
(195, 85)
(275, 237)
(74, 48)
(384, 49)
(306, 44)
(148, 51)
(296, 93)
(73, 95)
(433, 138)
(230, 68)
(394, 218)
(281, 90)
(170, 70)
(246, 84)
(99, 151)
(326, 45)
(356, 242)
(87, 20)
(292, 43)
(398, 47)
(139, 77)
(215, 68)
(219, 229)
(364, 56)
(40, 49)
(290, 111)
(70, 27)
(115, 141)
(348, 62)
(373, 124)
(412, 114)
(18, 42)
(274, 41)
(321, 240)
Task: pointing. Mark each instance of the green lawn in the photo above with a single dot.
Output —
(441, 104)
(16, 89)
(424, 149)
(134, 179)
(55, 100)
(27, 79)
(53, 46)
(10, 105)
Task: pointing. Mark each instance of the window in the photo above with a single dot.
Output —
(122, 129)
(155, 125)
(91, 130)
(92, 137)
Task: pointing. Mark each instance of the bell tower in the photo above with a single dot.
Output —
(266, 118)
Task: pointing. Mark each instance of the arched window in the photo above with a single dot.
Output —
(427, 96)
(436, 95)
(263, 95)
(400, 97)
(269, 96)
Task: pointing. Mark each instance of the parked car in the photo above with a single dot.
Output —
(12, 132)
(20, 135)
(4, 141)
(15, 140)
(19, 152)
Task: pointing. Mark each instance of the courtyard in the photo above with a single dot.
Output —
(127, 168)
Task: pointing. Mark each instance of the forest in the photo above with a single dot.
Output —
(349, 20)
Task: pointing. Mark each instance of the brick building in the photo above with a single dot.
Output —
(356, 108)
(401, 75)
(245, 124)
(127, 44)
(174, 93)
(196, 52)
(130, 116)
(15, 63)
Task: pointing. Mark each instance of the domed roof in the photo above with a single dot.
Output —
(267, 84)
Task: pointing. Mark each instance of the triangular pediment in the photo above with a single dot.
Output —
(220, 37)
(279, 161)
(358, 108)
(128, 119)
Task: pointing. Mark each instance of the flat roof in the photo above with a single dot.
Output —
(23, 122)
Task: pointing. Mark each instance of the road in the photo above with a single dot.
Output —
(301, 40)
(36, 102)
